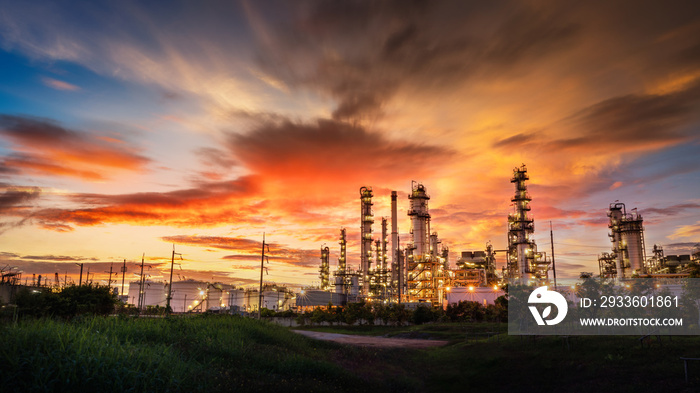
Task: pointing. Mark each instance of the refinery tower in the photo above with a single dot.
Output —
(627, 238)
(427, 277)
(524, 262)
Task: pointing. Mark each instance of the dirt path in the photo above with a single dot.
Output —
(372, 341)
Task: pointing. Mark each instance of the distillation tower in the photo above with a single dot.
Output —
(382, 262)
(426, 275)
(627, 237)
(395, 271)
(366, 237)
(345, 278)
(324, 270)
(524, 262)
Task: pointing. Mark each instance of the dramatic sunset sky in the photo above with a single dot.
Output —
(127, 127)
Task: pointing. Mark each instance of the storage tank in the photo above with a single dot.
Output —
(188, 295)
(217, 296)
(154, 293)
(237, 299)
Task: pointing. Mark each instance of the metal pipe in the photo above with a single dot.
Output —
(262, 267)
(554, 266)
(396, 272)
(367, 219)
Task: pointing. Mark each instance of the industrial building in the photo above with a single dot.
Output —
(628, 258)
(476, 268)
(525, 263)
(199, 296)
(274, 297)
(420, 271)
(627, 238)
(308, 299)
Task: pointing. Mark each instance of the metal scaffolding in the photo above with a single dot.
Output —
(524, 262)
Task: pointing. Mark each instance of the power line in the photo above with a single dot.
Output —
(580, 245)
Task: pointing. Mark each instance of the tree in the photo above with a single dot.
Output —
(381, 312)
(398, 314)
(69, 302)
(422, 314)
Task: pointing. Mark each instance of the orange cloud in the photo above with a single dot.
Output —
(249, 250)
(686, 231)
(209, 205)
(43, 147)
(40, 166)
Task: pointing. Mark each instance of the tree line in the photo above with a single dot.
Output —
(365, 313)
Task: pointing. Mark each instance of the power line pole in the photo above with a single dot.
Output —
(170, 286)
(109, 282)
(262, 267)
(123, 273)
(554, 266)
(141, 295)
(81, 274)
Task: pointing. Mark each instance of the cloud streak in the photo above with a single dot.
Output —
(46, 148)
(250, 250)
(59, 84)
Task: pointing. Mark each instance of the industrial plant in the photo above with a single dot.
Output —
(420, 271)
(628, 256)
(412, 273)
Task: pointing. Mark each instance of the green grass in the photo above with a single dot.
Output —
(223, 353)
(475, 360)
(201, 354)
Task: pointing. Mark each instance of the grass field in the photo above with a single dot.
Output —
(222, 353)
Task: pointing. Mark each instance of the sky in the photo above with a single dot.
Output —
(129, 128)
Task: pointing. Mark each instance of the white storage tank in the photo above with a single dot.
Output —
(154, 293)
(237, 300)
(188, 295)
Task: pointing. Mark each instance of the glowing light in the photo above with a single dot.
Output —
(471, 288)
(495, 287)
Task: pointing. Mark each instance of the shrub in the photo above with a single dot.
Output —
(69, 302)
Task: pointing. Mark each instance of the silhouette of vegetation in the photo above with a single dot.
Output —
(393, 314)
(67, 303)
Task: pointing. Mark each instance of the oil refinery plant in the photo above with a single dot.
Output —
(420, 271)
(628, 258)
(417, 271)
